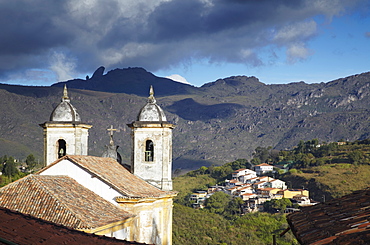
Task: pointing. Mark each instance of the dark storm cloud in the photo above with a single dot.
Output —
(70, 36)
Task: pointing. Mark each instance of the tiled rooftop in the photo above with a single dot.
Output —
(344, 220)
(264, 164)
(115, 175)
(19, 228)
(58, 199)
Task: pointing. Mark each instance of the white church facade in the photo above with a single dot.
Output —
(134, 206)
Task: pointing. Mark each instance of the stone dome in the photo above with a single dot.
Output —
(151, 112)
(65, 111)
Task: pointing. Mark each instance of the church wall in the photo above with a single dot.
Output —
(153, 223)
(123, 234)
(120, 230)
(66, 167)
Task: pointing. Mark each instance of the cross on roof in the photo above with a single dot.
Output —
(111, 130)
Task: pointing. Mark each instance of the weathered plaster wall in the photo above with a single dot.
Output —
(157, 172)
(153, 221)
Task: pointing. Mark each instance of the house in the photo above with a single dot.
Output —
(247, 196)
(199, 196)
(243, 172)
(215, 188)
(259, 179)
(284, 166)
(276, 183)
(244, 178)
(232, 190)
(260, 184)
(290, 193)
(301, 200)
(233, 183)
(245, 189)
(97, 194)
(269, 193)
(263, 168)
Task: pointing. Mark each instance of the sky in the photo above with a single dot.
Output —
(195, 41)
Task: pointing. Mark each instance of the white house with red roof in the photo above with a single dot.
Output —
(276, 183)
(243, 172)
(263, 168)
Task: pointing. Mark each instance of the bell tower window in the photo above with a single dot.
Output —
(149, 151)
(61, 148)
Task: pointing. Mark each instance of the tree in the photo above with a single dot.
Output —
(31, 161)
(234, 207)
(217, 202)
(277, 205)
(10, 168)
(356, 156)
(239, 163)
(262, 153)
(300, 147)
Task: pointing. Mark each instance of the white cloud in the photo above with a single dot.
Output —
(296, 52)
(63, 66)
(296, 31)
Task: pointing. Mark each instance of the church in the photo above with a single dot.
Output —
(99, 194)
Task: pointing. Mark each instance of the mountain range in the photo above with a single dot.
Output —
(218, 122)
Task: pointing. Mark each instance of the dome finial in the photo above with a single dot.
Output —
(151, 112)
(151, 98)
(65, 93)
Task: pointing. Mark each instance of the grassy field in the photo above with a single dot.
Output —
(340, 179)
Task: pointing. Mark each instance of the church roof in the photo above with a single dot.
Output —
(61, 200)
(65, 111)
(151, 112)
(115, 175)
(342, 220)
(19, 228)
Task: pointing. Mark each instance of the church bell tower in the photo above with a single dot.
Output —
(152, 145)
(64, 134)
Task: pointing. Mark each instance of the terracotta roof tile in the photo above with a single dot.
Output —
(234, 181)
(264, 164)
(24, 229)
(114, 174)
(344, 220)
(58, 199)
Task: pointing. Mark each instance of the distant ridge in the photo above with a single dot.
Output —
(130, 81)
(219, 122)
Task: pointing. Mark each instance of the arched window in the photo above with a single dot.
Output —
(61, 148)
(149, 151)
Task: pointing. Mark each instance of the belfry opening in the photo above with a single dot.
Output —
(62, 148)
(149, 151)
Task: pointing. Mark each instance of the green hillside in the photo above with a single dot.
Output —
(326, 170)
